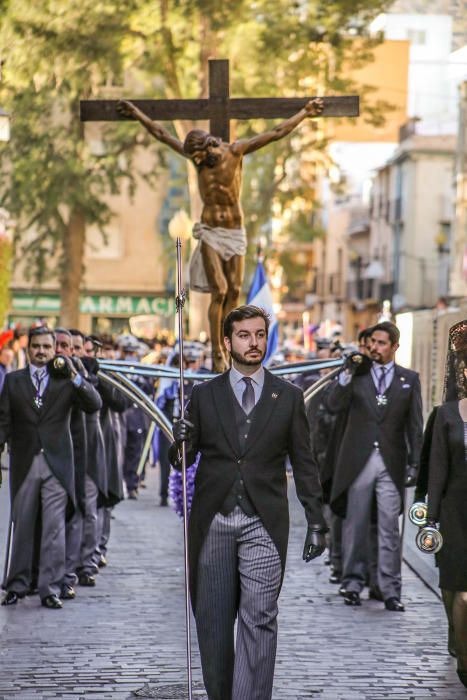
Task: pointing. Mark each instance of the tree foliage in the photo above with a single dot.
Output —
(57, 53)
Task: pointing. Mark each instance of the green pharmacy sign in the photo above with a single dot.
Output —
(95, 304)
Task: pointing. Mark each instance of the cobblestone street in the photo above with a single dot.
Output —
(129, 630)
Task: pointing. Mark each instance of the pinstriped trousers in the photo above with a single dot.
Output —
(239, 576)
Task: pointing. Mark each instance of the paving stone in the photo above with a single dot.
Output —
(129, 629)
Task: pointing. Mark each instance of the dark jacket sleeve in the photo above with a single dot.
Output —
(439, 466)
(191, 414)
(304, 467)
(113, 398)
(87, 397)
(338, 397)
(414, 425)
(5, 414)
(422, 481)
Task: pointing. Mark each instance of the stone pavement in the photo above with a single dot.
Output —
(129, 630)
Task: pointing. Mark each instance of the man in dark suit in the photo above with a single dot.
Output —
(383, 435)
(245, 423)
(95, 482)
(35, 418)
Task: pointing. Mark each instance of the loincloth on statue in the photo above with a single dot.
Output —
(227, 242)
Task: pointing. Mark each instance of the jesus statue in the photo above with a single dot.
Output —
(217, 265)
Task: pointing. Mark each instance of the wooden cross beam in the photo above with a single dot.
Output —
(219, 107)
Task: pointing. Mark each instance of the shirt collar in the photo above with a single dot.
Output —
(387, 367)
(33, 370)
(257, 377)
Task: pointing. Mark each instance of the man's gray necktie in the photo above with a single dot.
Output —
(248, 396)
(382, 380)
(39, 376)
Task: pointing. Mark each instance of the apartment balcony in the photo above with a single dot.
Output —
(369, 291)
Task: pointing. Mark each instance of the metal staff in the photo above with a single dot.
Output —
(180, 302)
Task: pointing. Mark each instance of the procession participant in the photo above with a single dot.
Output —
(136, 426)
(95, 486)
(74, 524)
(113, 404)
(217, 265)
(6, 363)
(169, 403)
(385, 412)
(244, 423)
(364, 341)
(447, 491)
(112, 412)
(374, 592)
(35, 418)
(91, 345)
(20, 344)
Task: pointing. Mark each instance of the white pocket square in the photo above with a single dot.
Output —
(406, 386)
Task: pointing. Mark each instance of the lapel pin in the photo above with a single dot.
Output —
(402, 379)
(274, 396)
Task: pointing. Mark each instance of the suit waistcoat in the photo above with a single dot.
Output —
(237, 495)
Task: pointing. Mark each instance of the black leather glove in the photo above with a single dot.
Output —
(183, 431)
(356, 363)
(411, 475)
(315, 543)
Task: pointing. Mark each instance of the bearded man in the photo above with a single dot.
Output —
(244, 423)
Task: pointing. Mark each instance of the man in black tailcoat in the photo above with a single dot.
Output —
(378, 454)
(35, 409)
(245, 423)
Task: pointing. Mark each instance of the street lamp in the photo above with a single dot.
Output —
(180, 226)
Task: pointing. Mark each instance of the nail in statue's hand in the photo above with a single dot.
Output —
(315, 545)
(125, 108)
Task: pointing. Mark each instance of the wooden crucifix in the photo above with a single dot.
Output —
(217, 265)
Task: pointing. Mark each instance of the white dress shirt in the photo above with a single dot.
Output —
(238, 385)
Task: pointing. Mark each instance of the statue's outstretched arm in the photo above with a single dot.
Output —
(312, 109)
(128, 109)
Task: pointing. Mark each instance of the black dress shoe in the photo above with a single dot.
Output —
(335, 577)
(342, 590)
(11, 598)
(52, 602)
(67, 592)
(394, 604)
(164, 502)
(86, 580)
(375, 594)
(352, 598)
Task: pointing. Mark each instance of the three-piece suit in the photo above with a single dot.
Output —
(42, 479)
(239, 522)
(383, 434)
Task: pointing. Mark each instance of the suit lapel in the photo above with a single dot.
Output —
(222, 398)
(28, 389)
(370, 391)
(50, 394)
(396, 384)
(264, 408)
(391, 393)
